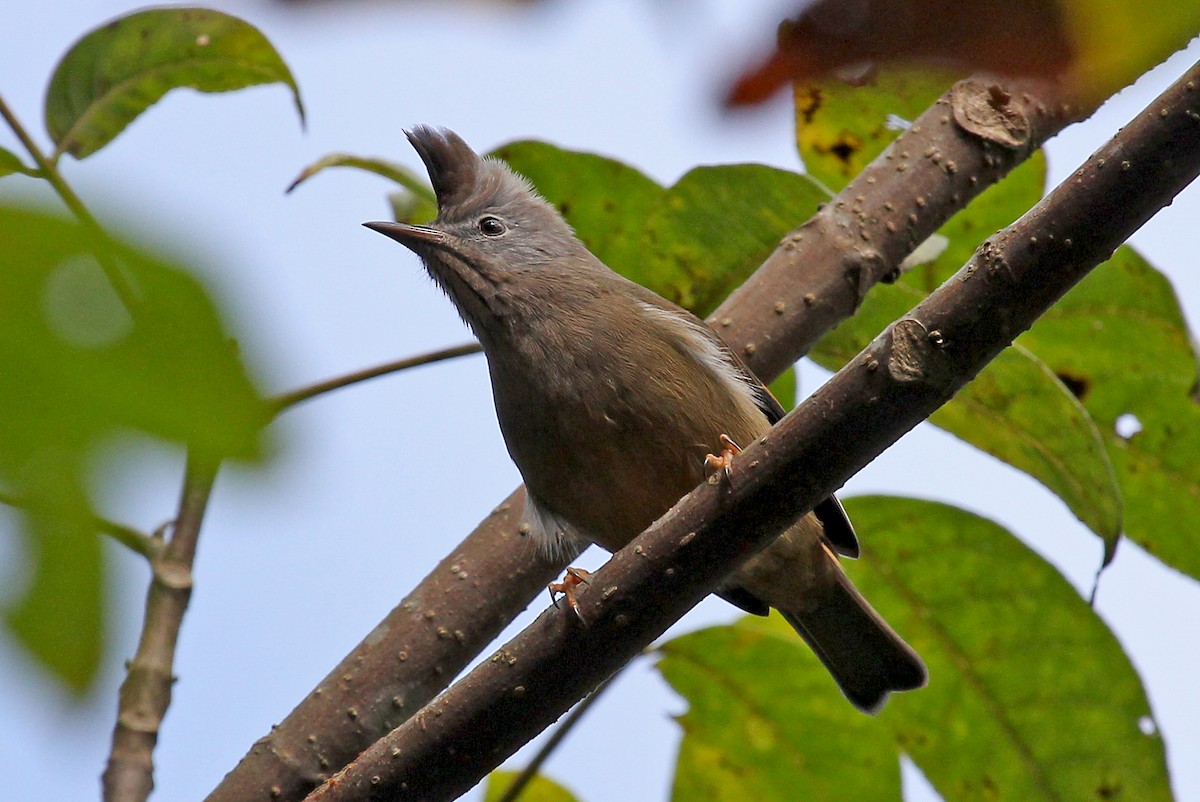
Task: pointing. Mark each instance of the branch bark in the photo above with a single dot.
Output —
(145, 693)
(895, 383)
(973, 136)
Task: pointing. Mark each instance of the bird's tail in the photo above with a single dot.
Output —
(865, 655)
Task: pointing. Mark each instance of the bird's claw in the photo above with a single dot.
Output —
(722, 465)
(574, 578)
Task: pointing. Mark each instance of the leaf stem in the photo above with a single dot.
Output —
(286, 401)
(48, 169)
(127, 536)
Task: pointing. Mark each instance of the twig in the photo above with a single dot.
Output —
(146, 692)
(286, 765)
(896, 382)
(49, 170)
(286, 401)
(513, 791)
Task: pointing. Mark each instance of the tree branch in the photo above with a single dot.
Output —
(519, 783)
(809, 274)
(146, 692)
(895, 383)
(973, 136)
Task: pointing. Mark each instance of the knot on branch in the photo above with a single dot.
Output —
(989, 113)
(913, 350)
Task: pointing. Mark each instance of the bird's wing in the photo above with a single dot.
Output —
(830, 512)
(838, 529)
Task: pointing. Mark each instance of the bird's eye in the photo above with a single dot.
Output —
(492, 226)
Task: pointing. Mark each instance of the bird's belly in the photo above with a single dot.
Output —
(612, 497)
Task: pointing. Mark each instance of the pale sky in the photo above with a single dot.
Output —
(371, 486)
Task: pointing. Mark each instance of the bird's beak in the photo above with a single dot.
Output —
(410, 236)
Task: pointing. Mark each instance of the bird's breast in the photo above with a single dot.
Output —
(610, 440)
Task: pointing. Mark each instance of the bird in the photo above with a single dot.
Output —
(612, 399)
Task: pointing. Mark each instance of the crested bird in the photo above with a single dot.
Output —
(611, 399)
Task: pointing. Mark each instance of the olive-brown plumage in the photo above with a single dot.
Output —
(609, 397)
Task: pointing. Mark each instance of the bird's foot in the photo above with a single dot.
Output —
(722, 466)
(573, 579)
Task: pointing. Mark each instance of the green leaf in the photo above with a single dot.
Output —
(416, 203)
(1120, 342)
(60, 616)
(117, 71)
(80, 363)
(765, 722)
(785, 388)
(605, 201)
(841, 128)
(692, 243)
(10, 163)
(1031, 696)
(715, 227)
(78, 367)
(540, 788)
(1016, 409)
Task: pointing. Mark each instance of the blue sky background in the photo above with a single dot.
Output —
(371, 486)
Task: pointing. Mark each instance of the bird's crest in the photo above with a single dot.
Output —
(464, 181)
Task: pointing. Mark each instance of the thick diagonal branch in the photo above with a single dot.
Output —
(817, 276)
(895, 383)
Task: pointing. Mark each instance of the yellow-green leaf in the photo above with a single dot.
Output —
(117, 71)
(765, 722)
(80, 360)
(997, 207)
(1030, 695)
(785, 388)
(1116, 41)
(1090, 48)
(841, 128)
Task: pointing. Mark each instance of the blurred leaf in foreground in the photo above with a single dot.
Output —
(77, 364)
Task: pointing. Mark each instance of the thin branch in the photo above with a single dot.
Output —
(903, 376)
(49, 171)
(127, 536)
(514, 791)
(286, 401)
(810, 266)
(146, 692)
